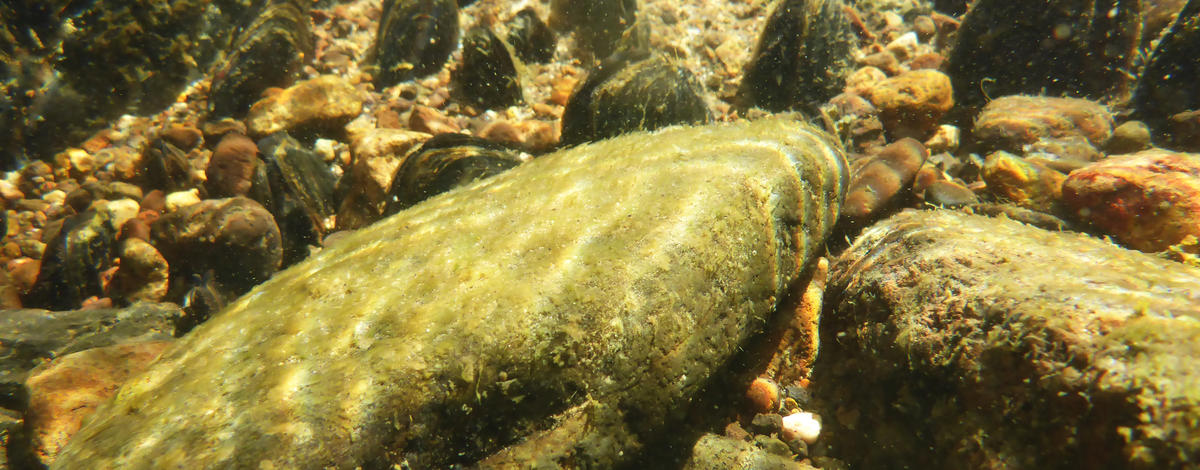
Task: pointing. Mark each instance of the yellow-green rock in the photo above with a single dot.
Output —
(579, 301)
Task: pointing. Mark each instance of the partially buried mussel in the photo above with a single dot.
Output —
(631, 91)
(490, 74)
(415, 39)
(445, 162)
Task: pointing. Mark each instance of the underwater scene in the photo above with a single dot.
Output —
(600, 234)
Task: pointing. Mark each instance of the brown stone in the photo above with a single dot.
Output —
(231, 168)
(430, 121)
(143, 273)
(1149, 200)
(183, 137)
(876, 185)
(1011, 122)
(912, 103)
(154, 201)
(68, 389)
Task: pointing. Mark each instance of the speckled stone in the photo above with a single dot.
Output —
(325, 102)
(1148, 200)
(1011, 122)
(1027, 348)
(578, 302)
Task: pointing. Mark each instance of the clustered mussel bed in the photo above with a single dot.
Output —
(154, 155)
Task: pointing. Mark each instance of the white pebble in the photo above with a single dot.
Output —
(120, 211)
(55, 197)
(180, 199)
(803, 425)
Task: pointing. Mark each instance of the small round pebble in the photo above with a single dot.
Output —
(763, 395)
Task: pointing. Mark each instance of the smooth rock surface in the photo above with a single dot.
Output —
(605, 284)
(29, 337)
(68, 389)
(994, 344)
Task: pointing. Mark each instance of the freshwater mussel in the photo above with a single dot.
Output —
(415, 39)
(445, 162)
(630, 91)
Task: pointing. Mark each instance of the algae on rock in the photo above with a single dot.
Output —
(972, 342)
(581, 300)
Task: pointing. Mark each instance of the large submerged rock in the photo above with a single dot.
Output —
(579, 302)
(961, 341)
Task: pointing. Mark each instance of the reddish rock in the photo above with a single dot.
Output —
(68, 389)
(231, 168)
(183, 137)
(876, 185)
(430, 121)
(154, 201)
(912, 103)
(1011, 122)
(1148, 200)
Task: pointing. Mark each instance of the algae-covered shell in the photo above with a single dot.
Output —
(607, 285)
(490, 74)
(632, 91)
(300, 192)
(802, 57)
(267, 54)
(415, 39)
(445, 162)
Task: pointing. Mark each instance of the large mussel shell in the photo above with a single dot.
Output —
(445, 162)
(802, 57)
(301, 191)
(632, 91)
(490, 75)
(267, 54)
(415, 39)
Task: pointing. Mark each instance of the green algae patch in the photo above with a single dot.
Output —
(971, 342)
(579, 301)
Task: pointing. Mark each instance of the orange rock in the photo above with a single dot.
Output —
(231, 168)
(1028, 184)
(912, 103)
(1149, 200)
(430, 121)
(562, 88)
(763, 396)
(68, 389)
